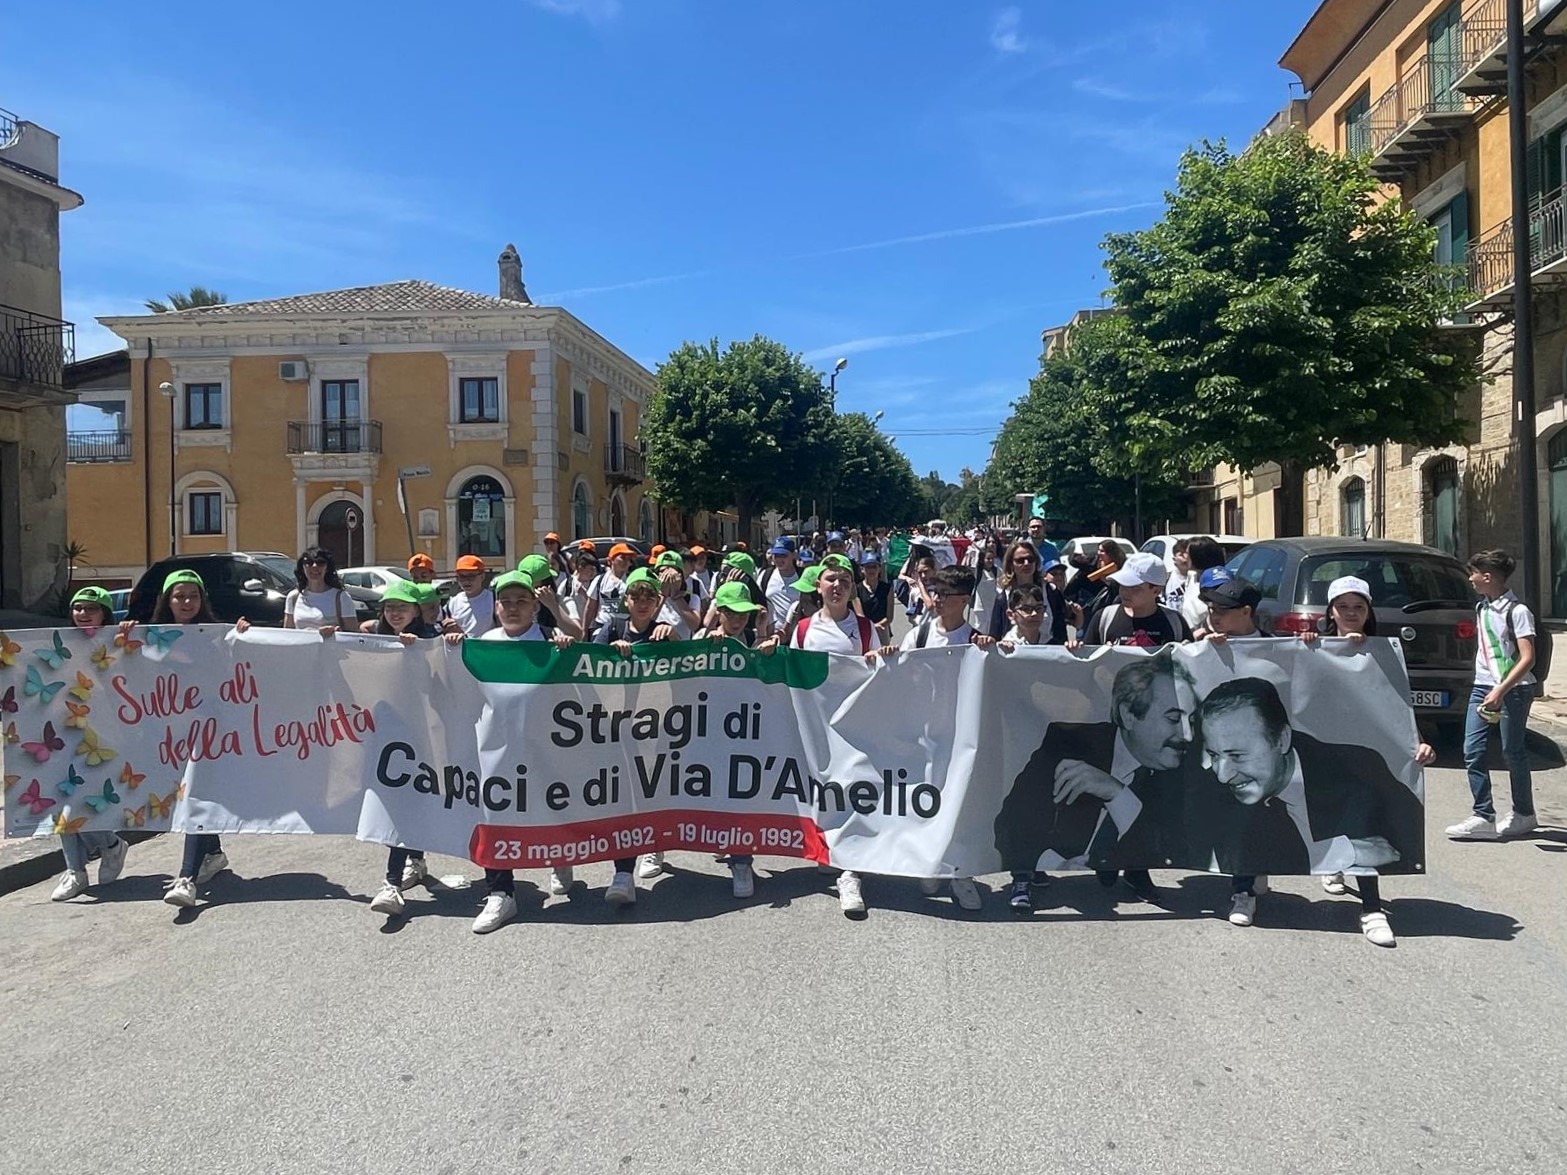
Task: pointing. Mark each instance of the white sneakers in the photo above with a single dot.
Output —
(561, 879)
(966, 893)
(499, 909)
(1376, 929)
(1517, 824)
(112, 861)
(849, 899)
(1243, 909)
(389, 901)
(182, 893)
(211, 865)
(651, 866)
(1333, 883)
(72, 884)
(414, 871)
(622, 891)
(1472, 828)
(744, 879)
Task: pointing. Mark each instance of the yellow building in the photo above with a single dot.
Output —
(1419, 88)
(279, 424)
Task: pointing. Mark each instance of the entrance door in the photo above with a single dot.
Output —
(346, 543)
(1443, 489)
(340, 416)
(1444, 42)
(1557, 456)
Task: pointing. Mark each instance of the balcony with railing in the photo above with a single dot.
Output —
(624, 465)
(98, 447)
(313, 437)
(1491, 256)
(1485, 41)
(1416, 115)
(34, 348)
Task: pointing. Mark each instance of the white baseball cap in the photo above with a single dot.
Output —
(1141, 568)
(1345, 584)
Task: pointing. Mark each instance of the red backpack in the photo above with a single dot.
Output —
(866, 635)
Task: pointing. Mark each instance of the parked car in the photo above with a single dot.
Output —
(1089, 543)
(1163, 545)
(373, 579)
(252, 584)
(1421, 596)
(602, 546)
(120, 599)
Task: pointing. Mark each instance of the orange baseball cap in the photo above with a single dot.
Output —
(698, 549)
(587, 545)
(658, 549)
(420, 560)
(470, 563)
(620, 549)
(552, 537)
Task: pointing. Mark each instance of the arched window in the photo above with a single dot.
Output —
(581, 512)
(617, 515)
(645, 521)
(481, 519)
(1352, 508)
(1441, 491)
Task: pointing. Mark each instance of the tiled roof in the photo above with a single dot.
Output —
(390, 297)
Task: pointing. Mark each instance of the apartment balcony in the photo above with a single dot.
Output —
(624, 465)
(1485, 42)
(335, 450)
(96, 448)
(1491, 256)
(34, 350)
(1413, 118)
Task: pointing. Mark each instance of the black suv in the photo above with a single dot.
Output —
(1422, 598)
(252, 584)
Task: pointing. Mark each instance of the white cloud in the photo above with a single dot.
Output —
(977, 230)
(881, 343)
(1005, 32)
(592, 11)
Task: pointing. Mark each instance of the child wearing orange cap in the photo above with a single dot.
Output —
(421, 568)
(473, 608)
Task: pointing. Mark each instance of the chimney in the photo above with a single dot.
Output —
(512, 288)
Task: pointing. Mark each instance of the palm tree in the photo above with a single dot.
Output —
(198, 296)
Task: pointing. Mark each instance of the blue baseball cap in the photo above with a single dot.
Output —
(868, 558)
(1214, 576)
(807, 555)
(835, 537)
(1049, 554)
(782, 546)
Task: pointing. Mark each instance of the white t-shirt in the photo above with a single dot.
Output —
(474, 615)
(936, 637)
(781, 595)
(1018, 638)
(823, 634)
(575, 598)
(534, 633)
(319, 609)
(610, 591)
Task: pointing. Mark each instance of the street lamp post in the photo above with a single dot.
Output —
(1523, 314)
(174, 529)
(832, 381)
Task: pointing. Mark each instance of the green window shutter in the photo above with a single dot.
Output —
(1459, 210)
(1533, 159)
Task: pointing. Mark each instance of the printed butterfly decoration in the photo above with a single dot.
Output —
(123, 640)
(83, 687)
(63, 826)
(79, 713)
(34, 798)
(8, 701)
(10, 733)
(161, 638)
(94, 750)
(135, 817)
(36, 687)
(161, 809)
(100, 804)
(129, 777)
(8, 650)
(102, 658)
(47, 745)
(11, 781)
(71, 782)
(57, 656)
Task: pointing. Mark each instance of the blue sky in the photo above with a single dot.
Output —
(917, 186)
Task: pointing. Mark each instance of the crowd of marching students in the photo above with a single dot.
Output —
(837, 598)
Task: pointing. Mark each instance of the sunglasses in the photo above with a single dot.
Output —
(313, 562)
(1024, 559)
(1029, 610)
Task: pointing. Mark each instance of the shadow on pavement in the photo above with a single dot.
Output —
(1545, 754)
(229, 889)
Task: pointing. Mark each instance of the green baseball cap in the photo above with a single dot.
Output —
(424, 593)
(536, 567)
(670, 559)
(94, 595)
(642, 577)
(401, 592)
(513, 579)
(734, 597)
(808, 579)
(185, 575)
(837, 560)
(741, 562)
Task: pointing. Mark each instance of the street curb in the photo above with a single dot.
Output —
(27, 862)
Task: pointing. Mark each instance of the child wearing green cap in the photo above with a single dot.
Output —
(675, 608)
(91, 610)
(643, 597)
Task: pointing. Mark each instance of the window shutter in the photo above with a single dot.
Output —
(1458, 210)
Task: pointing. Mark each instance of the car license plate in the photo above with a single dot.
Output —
(1431, 699)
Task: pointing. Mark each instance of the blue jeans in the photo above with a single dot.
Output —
(1477, 736)
(81, 847)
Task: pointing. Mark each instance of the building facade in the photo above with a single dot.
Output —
(280, 424)
(1419, 88)
(35, 347)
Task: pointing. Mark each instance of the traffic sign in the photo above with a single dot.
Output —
(414, 471)
(351, 519)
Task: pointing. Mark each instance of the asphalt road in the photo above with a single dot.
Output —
(284, 1028)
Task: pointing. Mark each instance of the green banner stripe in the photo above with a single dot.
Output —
(541, 663)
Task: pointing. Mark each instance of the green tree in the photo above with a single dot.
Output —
(748, 427)
(873, 483)
(1278, 309)
(1058, 441)
(196, 296)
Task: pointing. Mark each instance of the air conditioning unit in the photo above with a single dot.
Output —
(293, 369)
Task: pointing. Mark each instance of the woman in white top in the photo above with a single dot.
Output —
(319, 602)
